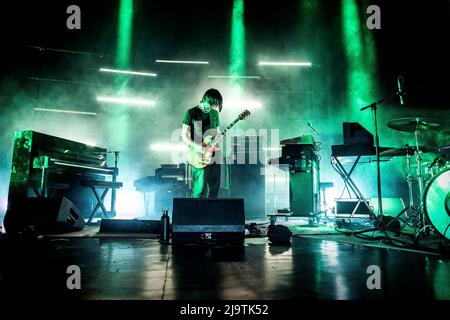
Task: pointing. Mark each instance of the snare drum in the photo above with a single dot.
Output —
(436, 202)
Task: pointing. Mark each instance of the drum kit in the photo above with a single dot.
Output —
(431, 209)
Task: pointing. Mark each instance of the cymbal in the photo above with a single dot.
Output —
(399, 152)
(412, 124)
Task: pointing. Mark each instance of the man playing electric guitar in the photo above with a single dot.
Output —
(197, 121)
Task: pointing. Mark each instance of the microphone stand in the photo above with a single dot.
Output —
(374, 106)
(114, 179)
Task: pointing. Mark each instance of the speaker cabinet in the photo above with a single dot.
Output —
(304, 186)
(247, 180)
(44, 215)
(208, 221)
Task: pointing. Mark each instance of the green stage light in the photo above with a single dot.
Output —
(237, 48)
(182, 61)
(125, 33)
(66, 111)
(285, 64)
(146, 74)
(360, 54)
(130, 101)
(118, 121)
(234, 77)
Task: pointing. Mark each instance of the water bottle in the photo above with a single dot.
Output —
(165, 225)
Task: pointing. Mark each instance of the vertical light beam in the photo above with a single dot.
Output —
(124, 34)
(119, 120)
(360, 55)
(237, 49)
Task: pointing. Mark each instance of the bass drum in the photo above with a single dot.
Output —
(437, 202)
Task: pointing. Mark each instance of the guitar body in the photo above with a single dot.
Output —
(200, 160)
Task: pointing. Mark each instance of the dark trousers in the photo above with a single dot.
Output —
(206, 179)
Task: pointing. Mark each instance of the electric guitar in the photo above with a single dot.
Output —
(202, 159)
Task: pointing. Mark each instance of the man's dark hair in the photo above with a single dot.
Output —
(213, 97)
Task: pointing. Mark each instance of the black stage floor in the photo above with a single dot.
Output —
(119, 268)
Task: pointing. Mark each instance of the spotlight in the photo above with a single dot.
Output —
(235, 77)
(129, 204)
(291, 64)
(4, 204)
(168, 147)
(65, 111)
(182, 61)
(146, 74)
(139, 102)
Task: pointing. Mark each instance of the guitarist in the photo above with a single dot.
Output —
(197, 121)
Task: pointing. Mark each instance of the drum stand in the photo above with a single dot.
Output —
(416, 212)
(419, 176)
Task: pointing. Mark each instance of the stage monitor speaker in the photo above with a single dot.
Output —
(208, 221)
(130, 226)
(44, 216)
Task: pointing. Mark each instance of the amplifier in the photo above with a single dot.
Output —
(352, 208)
(208, 221)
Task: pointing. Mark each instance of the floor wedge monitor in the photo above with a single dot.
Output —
(208, 221)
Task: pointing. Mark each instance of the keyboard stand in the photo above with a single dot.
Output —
(94, 185)
(346, 176)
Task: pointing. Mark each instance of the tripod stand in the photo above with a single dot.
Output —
(374, 107)
(413, 212)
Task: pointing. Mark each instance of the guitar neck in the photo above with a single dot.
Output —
(216, 137)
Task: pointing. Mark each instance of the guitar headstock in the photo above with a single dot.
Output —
(244, 115)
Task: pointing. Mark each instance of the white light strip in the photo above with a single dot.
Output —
(66, 111)
(182, 61)
(243, 104)
(139, 102)
(168, 147)
(129, 72)
(297, 64)
(235, 77)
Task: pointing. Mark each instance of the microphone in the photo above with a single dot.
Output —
(400, 93)
(311, 126)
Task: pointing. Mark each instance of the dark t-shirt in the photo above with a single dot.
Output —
(200, 122)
